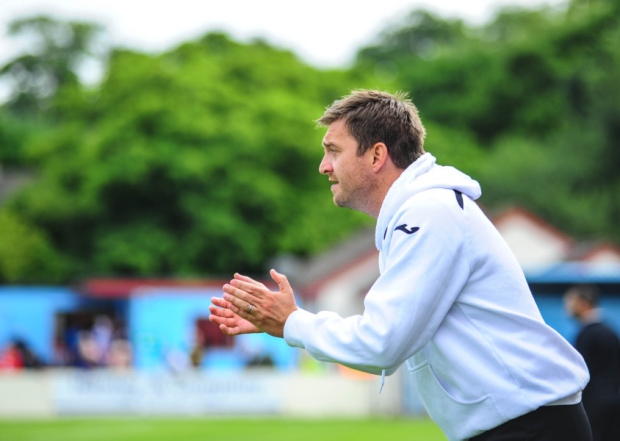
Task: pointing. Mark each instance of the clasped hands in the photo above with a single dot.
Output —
(248, 306)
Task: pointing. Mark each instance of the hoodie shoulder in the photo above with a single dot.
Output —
(422, 179)
(429, 211)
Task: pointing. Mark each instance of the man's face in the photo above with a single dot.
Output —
(350, 173)
(570, 301)
(574, 305)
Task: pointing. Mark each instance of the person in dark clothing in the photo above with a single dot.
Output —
(30, 360)
(600, 347)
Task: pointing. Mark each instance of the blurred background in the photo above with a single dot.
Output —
(148, 152)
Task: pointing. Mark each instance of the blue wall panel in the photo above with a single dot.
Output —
(28, 313)
(162, 325)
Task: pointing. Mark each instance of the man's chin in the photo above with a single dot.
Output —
(340, 203)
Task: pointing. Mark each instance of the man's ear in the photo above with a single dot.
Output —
(380, 156)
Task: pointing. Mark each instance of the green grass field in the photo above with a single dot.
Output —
(164, 429)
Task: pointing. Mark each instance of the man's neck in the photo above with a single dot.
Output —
(387, 180)
(590, 316)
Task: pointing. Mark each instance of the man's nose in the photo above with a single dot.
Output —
(324, 166)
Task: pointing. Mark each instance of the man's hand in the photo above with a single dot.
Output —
(251, 301)
(229, 322)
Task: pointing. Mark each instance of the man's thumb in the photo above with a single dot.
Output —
(280, 279)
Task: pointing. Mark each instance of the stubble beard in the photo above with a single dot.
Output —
(357, 200)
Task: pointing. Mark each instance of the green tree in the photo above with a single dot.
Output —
(536, 91)
(15, 133)
(570, 174)
(58, 49)
(201, 160)
(25, 253)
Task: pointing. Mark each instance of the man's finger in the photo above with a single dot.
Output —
(218, 320)
(221, 312)
(235, 293)
(249, 280)
(227, 330)
(228, 322)
(242, 302)
(237, 304)
(221, 316)
(234, 308)
(281, 280)
(250, 290)
(221, 303)
(218, 301)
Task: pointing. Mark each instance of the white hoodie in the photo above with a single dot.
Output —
(453, 304)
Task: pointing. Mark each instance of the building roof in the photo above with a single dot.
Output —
(308, 276)
(120, 288)
(576, 272)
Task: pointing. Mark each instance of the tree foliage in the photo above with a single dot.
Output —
(57, 51)
(203, 160)
(536, 90)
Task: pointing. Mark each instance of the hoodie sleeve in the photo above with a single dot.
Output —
(425, 269)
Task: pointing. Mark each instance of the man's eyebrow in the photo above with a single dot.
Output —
(329, 144)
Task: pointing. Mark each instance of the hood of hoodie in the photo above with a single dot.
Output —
(423, 174)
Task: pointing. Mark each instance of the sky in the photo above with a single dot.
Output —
(323, 33)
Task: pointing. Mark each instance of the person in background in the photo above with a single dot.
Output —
(11, 358)
(600, 348)
(18, 355)
(29, 358)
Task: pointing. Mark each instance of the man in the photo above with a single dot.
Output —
(600, 348)
(451, 302)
